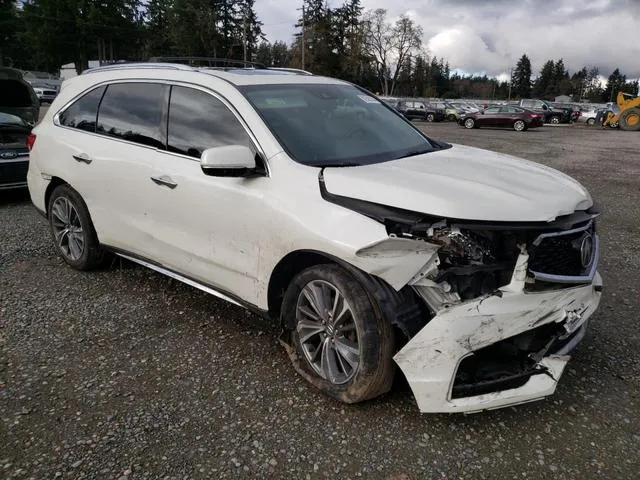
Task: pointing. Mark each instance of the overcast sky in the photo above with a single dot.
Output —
(488, 36)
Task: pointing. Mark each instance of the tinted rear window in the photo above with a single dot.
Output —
(135, 112)
(82, 114)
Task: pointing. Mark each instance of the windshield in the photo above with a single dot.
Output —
(334, 125)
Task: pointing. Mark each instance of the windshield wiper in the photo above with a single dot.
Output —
(341, 164)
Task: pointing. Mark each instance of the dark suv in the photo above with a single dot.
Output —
(417, 110)
(548, 112)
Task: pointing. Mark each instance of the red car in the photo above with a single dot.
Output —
(506, 116)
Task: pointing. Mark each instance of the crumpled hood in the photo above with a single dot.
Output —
(464, 183)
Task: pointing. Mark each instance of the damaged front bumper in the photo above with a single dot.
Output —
(506, 348)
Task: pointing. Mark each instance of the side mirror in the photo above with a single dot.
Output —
(230, 161)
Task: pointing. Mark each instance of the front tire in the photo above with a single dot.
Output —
(555, 120)
(343, 344)
(630, 120)
(73, 233)
(452, 118)
(430, 117)
(469, 123)
(591, 121)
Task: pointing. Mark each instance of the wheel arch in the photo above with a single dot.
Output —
(404, 310)
(287, 268)
(53, 184)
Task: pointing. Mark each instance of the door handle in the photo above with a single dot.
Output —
(164, 180)
(82, 157)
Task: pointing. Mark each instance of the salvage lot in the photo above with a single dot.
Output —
(124, 372)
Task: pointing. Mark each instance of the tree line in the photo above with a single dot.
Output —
(365, 47)
(554, 80)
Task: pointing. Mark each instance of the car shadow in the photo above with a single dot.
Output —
(14, 197)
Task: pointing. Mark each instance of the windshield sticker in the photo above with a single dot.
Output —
(367, 99)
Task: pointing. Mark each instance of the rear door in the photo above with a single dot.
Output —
(507, 116)
(107, 144)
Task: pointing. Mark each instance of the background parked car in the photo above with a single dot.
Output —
(17, 97)
(451, 113)
(571, 108)
(415, 110)
(588, 114)
(549, 113)
(45, 94)
(14, 154)
(507, 116)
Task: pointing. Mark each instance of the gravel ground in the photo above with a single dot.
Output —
(124, 373)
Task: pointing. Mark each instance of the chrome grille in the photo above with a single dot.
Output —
(569, 256)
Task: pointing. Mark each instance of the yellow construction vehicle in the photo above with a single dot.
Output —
(629, 116)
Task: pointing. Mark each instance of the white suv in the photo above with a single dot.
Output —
(312, 202)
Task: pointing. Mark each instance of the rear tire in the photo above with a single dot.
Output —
(630, 120)
(519, 126)
(591, 121)
(555, 120)
(73, 233)
(430, 117)
(343, 347)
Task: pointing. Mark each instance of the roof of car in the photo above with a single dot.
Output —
(236, 76)
(265, 77)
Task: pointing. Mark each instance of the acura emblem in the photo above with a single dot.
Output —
(586, 250)
(7, 155)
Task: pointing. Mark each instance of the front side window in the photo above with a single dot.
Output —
(135, 112)
(492, 110)
(198, 120)
(82, 114)
(334, 124)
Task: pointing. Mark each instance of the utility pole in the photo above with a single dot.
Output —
(510, 81)
(244, 39)
(303, 45)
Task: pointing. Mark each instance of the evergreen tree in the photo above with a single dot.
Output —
(544, 83)
(264, 54)
(158, 28)
(521, 78)
(280, 54)
(615, 83)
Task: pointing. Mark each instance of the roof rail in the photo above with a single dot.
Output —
(137, 65)
(290, 70)
(209, 62)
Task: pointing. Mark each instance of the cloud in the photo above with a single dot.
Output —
(489, 36)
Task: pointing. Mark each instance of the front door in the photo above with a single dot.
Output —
(206, 228)
(490, 117)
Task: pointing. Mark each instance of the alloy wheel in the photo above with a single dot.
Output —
(468, 123)
(518, 125)
(67, 228)
(327, 332)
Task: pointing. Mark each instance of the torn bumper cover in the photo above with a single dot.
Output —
(498, 350)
